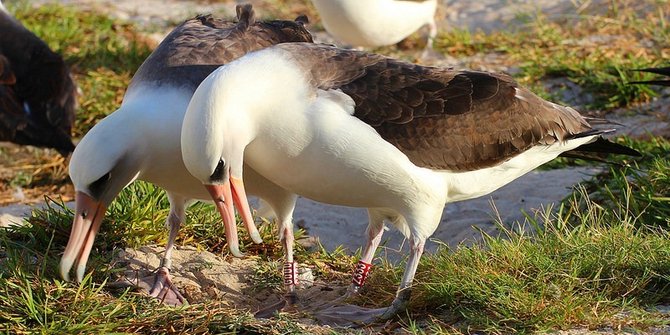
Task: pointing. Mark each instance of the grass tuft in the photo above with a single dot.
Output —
(605, 253)
(594, 52)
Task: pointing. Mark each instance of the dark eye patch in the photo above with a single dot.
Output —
(98, 187)
(219, 172)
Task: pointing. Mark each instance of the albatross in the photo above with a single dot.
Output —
(350, 128)
(374, 23)
(141, 140)
(37, 93)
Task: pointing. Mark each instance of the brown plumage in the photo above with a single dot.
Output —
(37, 93)
(200, 45)
(441, 118)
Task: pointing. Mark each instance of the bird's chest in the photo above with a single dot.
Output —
(329, 157)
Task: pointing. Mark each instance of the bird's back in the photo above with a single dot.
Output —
(200, 45)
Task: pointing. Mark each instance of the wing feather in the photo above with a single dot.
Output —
(440, 118)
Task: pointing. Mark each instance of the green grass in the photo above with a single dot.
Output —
(625, 38)
(645, 186)
(602, 260)
(563, 277)
(603, 254)
(589, 263)
(103, 54)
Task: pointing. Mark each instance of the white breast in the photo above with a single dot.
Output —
(324, 153)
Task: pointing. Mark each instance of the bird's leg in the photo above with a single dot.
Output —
(290, 272)
(349, 315)
(405, 289)
(158, 284)
(290, 267)
(374, 234)
(283, 203)
(162, 287)
(429, 54)
(432, 34)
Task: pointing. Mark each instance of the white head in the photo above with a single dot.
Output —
(227, 109)
(102, 164)
(214, 160)
(225, 115)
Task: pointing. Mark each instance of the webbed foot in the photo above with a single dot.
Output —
(157, 285)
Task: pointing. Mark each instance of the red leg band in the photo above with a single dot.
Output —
(361, 272)
(290, 273)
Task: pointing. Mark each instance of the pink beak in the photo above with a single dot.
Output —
(225, 196)
(86, 224)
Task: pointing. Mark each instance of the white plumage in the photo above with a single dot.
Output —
(373, 23)
(302, 132)
(141, 140)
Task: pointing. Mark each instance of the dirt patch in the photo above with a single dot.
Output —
(203, 276)
(27, 174)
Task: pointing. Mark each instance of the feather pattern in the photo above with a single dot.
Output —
(200, 45)
(441, 118)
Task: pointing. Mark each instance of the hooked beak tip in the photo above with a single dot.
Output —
(256, 237)
(235, 251)
(64, 271)
(82, 235)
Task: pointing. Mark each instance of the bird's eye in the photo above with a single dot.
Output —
(97, 187)
(219, 171)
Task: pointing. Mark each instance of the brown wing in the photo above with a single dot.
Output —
(200, 45)
(440, 118)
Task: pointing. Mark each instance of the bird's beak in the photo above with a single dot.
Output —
(86, 224)
(225, 196)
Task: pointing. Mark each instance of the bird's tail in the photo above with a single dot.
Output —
(665, 71)
(599, 150)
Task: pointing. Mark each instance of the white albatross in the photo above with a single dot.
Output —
(141, 140)
(356, 129)
(374, 23)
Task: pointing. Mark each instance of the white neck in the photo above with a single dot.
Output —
(237, 102)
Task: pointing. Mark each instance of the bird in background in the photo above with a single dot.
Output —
(375, 23)
(357, 129)
(37, 92)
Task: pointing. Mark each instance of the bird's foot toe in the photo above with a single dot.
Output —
(286, 304)
(164, 290)
(158, 285)
(353, 316)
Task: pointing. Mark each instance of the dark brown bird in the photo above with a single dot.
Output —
(37, 93)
